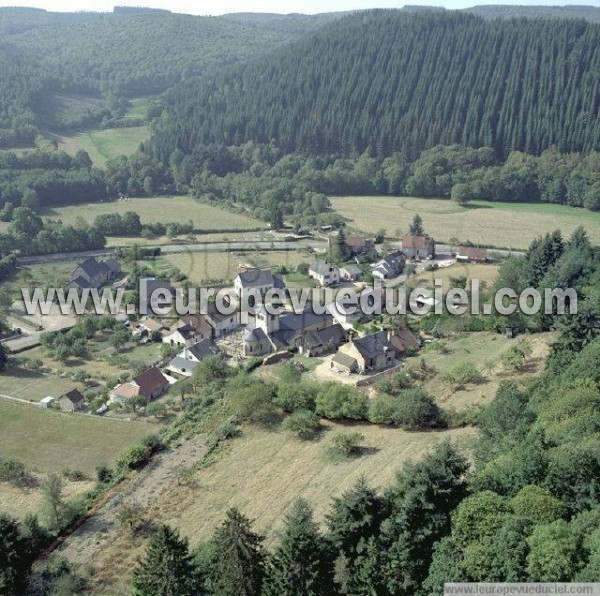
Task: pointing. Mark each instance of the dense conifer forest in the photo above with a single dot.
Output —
(395, 81)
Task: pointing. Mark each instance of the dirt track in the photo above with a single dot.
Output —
(140, 489)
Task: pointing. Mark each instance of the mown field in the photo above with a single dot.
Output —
(159, 210)
(504, 225)
(34, 386)
(198, 266)
(47, 441)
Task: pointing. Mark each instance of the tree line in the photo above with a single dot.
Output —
(393, 81)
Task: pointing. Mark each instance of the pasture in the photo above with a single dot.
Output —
(159, 210)
(503, 225)
(47, 441)
(33, 386)
(102, 145)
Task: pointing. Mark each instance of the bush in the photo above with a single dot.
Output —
(104, 474)
(412, 409)
(340, 401)
(14, 472)
(298, 396)
(139, 455)
(397, 383)
(347, 444)
(253, 403)
(304, 423)
(74, 475)
(463, 373)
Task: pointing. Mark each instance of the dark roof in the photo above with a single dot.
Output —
(256, 277)
(92, 267)
(214, 314)
(394, 257)
(420, 242)
(199, 323)
(150, 381)
(295, 322)
(80, 282)
(74, 396)
(255, 335)
(113, 265)
(373, 345)
(333, 335)
(187, 331)
(404, 338)
(155, 284)
(344, 360)
(203, 349)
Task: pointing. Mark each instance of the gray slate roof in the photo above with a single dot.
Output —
(253, 278)
(373, 345)
(203, 349)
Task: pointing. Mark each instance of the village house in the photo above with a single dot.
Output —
(472, 254)
(357, 247)
(73, 401)
(347, 315)
(151, 384)
(390, 266)
(146, 326)
(324, 273)
(350, 273)
(268, 332)
(404, 340)
(184, 336)
(185, 363)
(368, 354)
(418, 247)
(256, 280)
(94, 274)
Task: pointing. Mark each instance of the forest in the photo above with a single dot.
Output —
(393, 81)
(113, 56)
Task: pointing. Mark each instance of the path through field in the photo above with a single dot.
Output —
(142, 489)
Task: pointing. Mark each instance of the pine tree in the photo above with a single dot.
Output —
(354, 518)
(416, 227)
(167, 569)
(15, 559)
(301, 565)
(240, 559)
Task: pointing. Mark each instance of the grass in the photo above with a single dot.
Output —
(486, 274)
(47, 441)
(158, 210)
(261, 473)
(512, 225)
(225, 266)
(102, 145)
(484, 350)
(33, 386)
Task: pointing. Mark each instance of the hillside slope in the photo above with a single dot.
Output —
(390, 80)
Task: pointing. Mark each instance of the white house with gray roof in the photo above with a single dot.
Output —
(325, 274)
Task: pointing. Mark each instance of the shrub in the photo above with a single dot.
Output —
(104, 474)
(304, 423)
(397, 383)
(74, 475)
(412, 409)
(298, 396)
(463, 373)
(15, 473)
(340, 401)
(347, 444)
(253, 403)
(537, 504)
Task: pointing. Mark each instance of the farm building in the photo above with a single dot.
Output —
(472, 254)
(418, 247)
(73, 401)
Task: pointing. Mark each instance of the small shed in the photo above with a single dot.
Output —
(73, 401)
(47, 402)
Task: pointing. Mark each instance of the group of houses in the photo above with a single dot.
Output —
(94, 274)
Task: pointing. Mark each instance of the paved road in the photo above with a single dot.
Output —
(182, 248)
